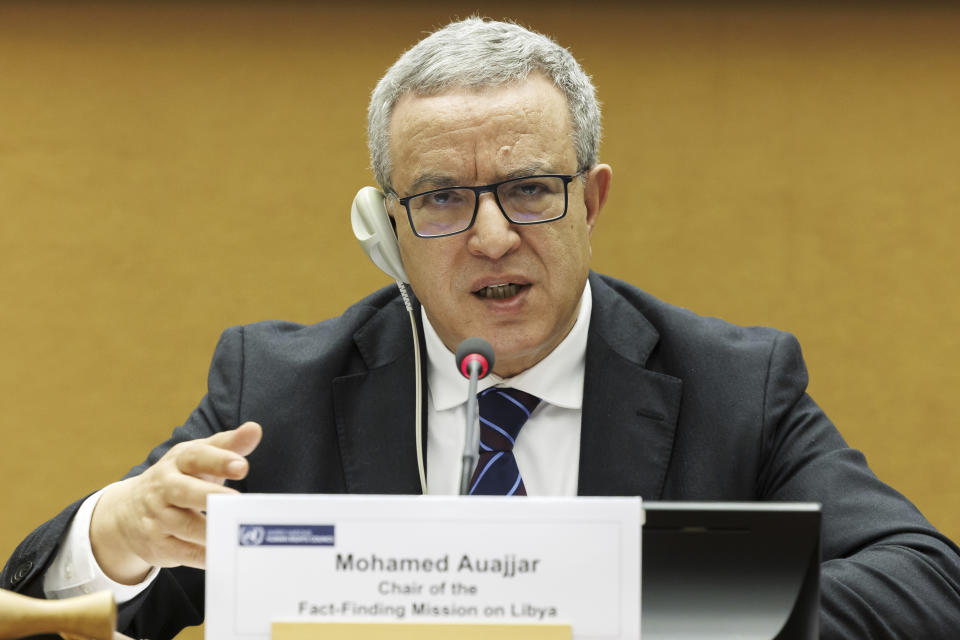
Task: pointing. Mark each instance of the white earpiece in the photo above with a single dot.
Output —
(372, 228)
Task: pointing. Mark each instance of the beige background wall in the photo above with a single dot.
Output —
(168, 170)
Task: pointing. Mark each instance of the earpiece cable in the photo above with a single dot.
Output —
(419, 387)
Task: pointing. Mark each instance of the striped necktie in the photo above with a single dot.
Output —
(502, 412)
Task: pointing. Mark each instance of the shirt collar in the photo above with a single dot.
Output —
(557, 379)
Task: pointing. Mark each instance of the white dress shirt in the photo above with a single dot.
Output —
(548, 446)
(74, 570)
(547, 449)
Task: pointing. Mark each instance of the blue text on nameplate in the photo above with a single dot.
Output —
(285, 535)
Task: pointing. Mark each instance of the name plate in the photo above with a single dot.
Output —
(423, 559)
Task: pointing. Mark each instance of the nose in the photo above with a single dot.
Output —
(492, 235)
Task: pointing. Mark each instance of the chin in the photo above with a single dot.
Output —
(519, 351)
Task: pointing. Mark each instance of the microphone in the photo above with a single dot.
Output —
(475, 360)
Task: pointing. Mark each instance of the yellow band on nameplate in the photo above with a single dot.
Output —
(415, 631)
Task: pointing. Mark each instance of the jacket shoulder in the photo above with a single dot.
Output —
(686, 341)
(291, 343)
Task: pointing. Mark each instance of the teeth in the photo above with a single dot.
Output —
(498, 291)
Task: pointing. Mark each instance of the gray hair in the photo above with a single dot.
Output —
(476, 53)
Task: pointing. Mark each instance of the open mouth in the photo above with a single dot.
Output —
(500, 291)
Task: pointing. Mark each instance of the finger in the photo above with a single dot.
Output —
(242, 440)
(173, 552)
(187, 492)
(187, 525)
(193, 555)
(201, 459)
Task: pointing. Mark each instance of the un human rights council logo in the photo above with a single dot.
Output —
(251, 535)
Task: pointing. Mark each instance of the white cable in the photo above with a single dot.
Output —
(419, 385)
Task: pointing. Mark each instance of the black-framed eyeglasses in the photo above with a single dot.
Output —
(451, 210)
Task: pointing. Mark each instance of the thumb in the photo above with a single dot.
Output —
(242, 440)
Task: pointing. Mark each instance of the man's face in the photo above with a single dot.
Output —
(467, 137)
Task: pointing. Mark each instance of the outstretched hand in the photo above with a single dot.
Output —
(157, 518)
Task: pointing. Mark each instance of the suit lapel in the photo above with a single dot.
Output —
(375, 409)
(629, 412)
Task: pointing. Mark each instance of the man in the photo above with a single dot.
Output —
(484, 139)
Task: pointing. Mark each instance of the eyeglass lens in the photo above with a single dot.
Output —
(524, 200)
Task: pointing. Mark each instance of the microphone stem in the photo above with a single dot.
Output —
(471, 443)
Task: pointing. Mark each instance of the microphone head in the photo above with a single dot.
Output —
(475, 350)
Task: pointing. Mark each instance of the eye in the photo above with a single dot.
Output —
(443, 202)
(444, 198)
(529, 189)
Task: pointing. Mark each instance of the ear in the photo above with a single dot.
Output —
(388, 204)
(595, 191)
(390, 216)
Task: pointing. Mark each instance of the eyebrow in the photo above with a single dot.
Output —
(533, 169)
(430, 181)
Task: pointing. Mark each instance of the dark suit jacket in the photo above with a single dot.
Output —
(676, 407)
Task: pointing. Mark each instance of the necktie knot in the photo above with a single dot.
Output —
(503, 411)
